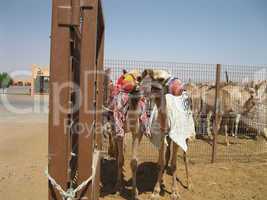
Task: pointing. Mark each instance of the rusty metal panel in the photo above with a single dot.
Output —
(59, 70)
(75, 12)
(88, 4)
(87, 107)
(69, 15)
(64, 15)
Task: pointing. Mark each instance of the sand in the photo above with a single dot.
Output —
(23, 153)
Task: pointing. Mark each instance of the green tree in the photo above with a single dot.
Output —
(1, 78)
(5, 80)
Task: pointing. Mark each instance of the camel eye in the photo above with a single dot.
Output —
(161, 80)
(139, 79)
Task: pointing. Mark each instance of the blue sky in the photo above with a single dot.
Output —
(202, 31)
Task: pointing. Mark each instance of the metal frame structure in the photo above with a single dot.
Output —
(77, 51)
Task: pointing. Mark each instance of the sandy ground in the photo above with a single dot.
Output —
(23, 152)
(23, 159)
(228, 181)
(239, 174)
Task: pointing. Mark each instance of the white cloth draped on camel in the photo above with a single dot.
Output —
(180, 121)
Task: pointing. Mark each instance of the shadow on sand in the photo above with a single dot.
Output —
(146, 179)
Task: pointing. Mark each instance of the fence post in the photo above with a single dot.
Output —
(100, 88)
(87, 87)
(216, 112)
(59, 69)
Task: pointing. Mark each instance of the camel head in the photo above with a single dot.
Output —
(251, 102)
(130, 80)
(153, 81)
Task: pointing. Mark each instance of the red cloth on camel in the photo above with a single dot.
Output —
(119, 104)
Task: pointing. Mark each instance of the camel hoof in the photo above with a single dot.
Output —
(117, 189)
(175, 196)
(190, 187)
(136, 198)
(155, 196)
(135, 195)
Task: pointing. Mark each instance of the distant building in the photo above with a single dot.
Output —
(21, 82)
(40, 80)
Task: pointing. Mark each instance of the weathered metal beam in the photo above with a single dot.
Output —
(101, 19)
(76, 14)
(69, 15)
(100, 89)
(64, 15)
(59, 97)
(89, 4)
(87, 108)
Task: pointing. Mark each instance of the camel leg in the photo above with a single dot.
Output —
(189, 184)
(175, 194)
(265, 133)
(209, 125)
(168, 153)
(237, 120)
(198, 123)
(134, 163)
(120, 162)
(161, 163)
(226, 134)
(112, 149)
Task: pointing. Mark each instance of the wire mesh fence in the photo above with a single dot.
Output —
(242, 134)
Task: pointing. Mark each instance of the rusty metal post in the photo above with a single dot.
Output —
(216, 122)
(59, 75)
(87, 82)
(100, 86)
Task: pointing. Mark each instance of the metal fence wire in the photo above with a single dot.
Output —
(242, 82)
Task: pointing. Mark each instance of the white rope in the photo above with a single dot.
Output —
(70, 194)
(106, 109)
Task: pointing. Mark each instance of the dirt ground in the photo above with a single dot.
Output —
(23, 159)
(240, 173)
(23, 152)
(231, 181)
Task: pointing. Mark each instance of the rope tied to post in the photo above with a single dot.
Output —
(70, 194)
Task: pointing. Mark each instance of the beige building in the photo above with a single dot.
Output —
(40, 79)
(22, 82)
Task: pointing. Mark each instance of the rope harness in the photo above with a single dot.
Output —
(71, 193)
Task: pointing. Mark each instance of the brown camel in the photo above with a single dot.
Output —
(131, 124)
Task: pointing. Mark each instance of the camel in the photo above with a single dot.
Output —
(132, 123)
(195, 92)
(261, 89)
(234, 101)
(254, 118)
(155, 83)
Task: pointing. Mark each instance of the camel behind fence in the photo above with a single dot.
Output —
(243, 123)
